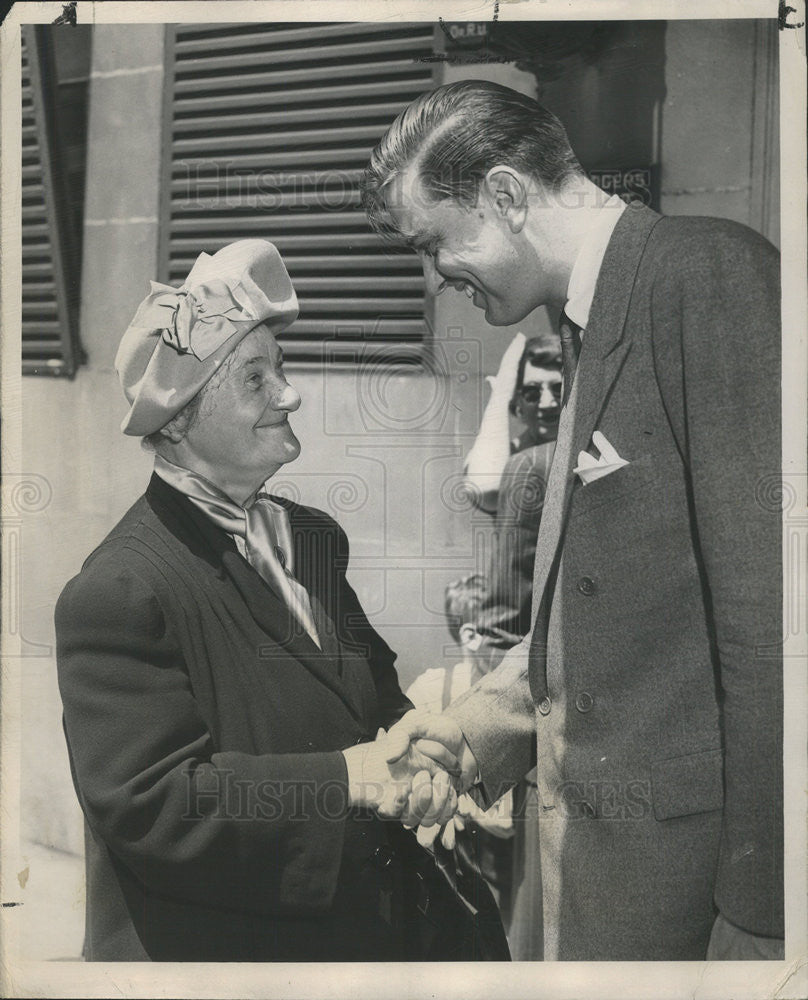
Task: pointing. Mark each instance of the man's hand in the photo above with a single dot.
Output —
(498, 820)
(397, 782)
(428, 742)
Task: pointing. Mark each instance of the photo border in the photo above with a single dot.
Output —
(553, 980)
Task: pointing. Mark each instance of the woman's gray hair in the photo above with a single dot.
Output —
(183, 420)
(454, 135)
(188, 415)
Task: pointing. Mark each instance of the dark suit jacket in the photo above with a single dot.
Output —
(205, 747)
(651, 688)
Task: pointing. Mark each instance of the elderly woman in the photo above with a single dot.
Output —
(220, 680)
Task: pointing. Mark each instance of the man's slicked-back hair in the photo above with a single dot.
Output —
(454, 135)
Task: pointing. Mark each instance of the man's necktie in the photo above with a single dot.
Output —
(570, 352)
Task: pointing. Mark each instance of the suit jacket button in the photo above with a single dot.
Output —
(545, 705)
(584, 701)
(586, 585)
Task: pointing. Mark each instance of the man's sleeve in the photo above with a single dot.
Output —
(497, 718)
(717, 356)
(221, 829)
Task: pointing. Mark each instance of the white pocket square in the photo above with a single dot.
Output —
(589, 469)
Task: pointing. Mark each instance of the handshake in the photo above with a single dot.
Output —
(413, 773)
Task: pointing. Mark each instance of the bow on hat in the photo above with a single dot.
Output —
(180, 336)
(196, 321)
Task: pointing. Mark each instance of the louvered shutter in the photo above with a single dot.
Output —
(49, 342)
(268, 128)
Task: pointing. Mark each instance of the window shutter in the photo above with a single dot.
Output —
(268, 129)
(49, 337)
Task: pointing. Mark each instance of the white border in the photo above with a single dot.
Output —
(559, 981)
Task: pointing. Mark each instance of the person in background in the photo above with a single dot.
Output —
(508, 478)
(536, 400)
(483, 835)
(527, 386)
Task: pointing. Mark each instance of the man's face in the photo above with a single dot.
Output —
(538, 401)
(241, 435)
(470, 249)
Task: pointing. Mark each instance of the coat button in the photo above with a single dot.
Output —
(586, 585)
(584, 701)
(545, 705)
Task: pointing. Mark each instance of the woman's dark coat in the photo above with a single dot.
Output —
(205, 743)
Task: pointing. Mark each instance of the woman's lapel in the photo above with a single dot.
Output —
(190, 526)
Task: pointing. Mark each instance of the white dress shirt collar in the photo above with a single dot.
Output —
(585, 270)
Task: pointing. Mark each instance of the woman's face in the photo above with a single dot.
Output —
(241, 434)
(538, 401)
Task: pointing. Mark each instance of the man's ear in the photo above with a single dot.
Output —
(508, 193)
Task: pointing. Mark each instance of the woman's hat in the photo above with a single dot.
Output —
(180, 336)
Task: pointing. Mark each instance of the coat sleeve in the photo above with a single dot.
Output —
(497, 718)
(716, 313)
(219, 829)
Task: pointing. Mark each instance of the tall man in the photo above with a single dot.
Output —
(649, 692)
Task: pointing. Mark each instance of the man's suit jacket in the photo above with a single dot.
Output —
(650, 692)
(205, 746)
